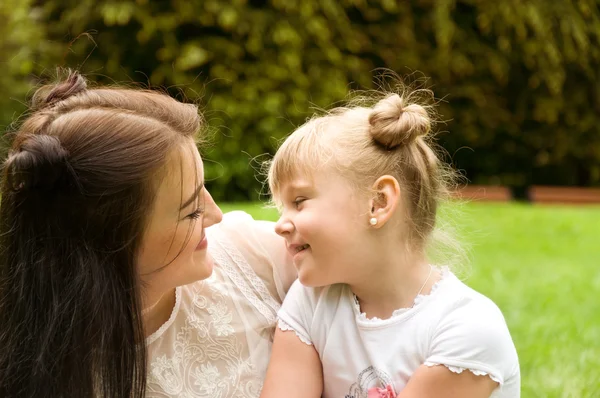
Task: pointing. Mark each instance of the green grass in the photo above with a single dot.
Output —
(541, 265)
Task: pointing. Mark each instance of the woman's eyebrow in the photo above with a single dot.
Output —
(193, 197)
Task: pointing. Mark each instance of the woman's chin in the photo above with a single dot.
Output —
(201, 268)
(204, 266)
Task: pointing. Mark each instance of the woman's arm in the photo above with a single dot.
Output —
(294, 370)
(438, 381)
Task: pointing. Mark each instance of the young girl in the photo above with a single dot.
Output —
(369, 317)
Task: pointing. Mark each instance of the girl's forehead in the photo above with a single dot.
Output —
(323, 181)
(298, 184)
(295, 180)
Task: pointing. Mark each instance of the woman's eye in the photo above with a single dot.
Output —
(196, 214)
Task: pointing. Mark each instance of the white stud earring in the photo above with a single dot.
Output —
(373, 221)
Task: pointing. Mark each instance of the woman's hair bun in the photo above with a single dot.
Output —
(394, 121)
(39, 162)
(49, 95)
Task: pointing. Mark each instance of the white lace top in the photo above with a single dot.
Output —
(217, 341)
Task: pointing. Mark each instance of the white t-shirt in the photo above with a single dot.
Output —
(453, 326)
(217, 341)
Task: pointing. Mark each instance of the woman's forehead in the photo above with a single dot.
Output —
(184, 174)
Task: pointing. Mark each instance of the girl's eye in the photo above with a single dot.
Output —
(196, 214)
(298, 202)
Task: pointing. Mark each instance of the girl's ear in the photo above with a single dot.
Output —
(386, 195)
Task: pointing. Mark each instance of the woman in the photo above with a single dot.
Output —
(108, 240)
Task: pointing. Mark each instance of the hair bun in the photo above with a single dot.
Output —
(48, 95)
(39, 162)
(394, 123)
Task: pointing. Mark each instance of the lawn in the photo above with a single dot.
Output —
(541, 265)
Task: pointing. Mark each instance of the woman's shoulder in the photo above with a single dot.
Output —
(242, 230)
(232, 220)
(258, 246)
(252, 247)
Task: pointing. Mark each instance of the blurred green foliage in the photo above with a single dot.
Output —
(22, 50)
(520, 78)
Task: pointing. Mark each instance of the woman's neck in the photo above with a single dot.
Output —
(394, 282)
(158, 311)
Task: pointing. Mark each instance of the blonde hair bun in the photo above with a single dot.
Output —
(394, 122)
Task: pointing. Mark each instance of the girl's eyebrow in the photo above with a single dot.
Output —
(299, 186)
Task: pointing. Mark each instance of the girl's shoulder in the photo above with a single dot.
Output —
(469, 331)
(456, 299)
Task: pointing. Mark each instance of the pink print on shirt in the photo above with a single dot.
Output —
(372, 383)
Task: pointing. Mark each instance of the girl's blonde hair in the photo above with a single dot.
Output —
(393, 137)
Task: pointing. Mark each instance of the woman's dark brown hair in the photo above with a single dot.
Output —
(77, 187)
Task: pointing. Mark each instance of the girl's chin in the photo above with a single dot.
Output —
(310, 280)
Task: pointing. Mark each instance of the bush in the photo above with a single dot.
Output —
(521, 78)
(22, 51)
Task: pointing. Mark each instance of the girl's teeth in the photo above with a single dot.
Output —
(302, 247)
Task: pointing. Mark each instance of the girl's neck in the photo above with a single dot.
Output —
(158, 311)
(394, 283)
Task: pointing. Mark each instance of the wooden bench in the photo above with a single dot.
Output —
(485, 193)
(572, 195)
